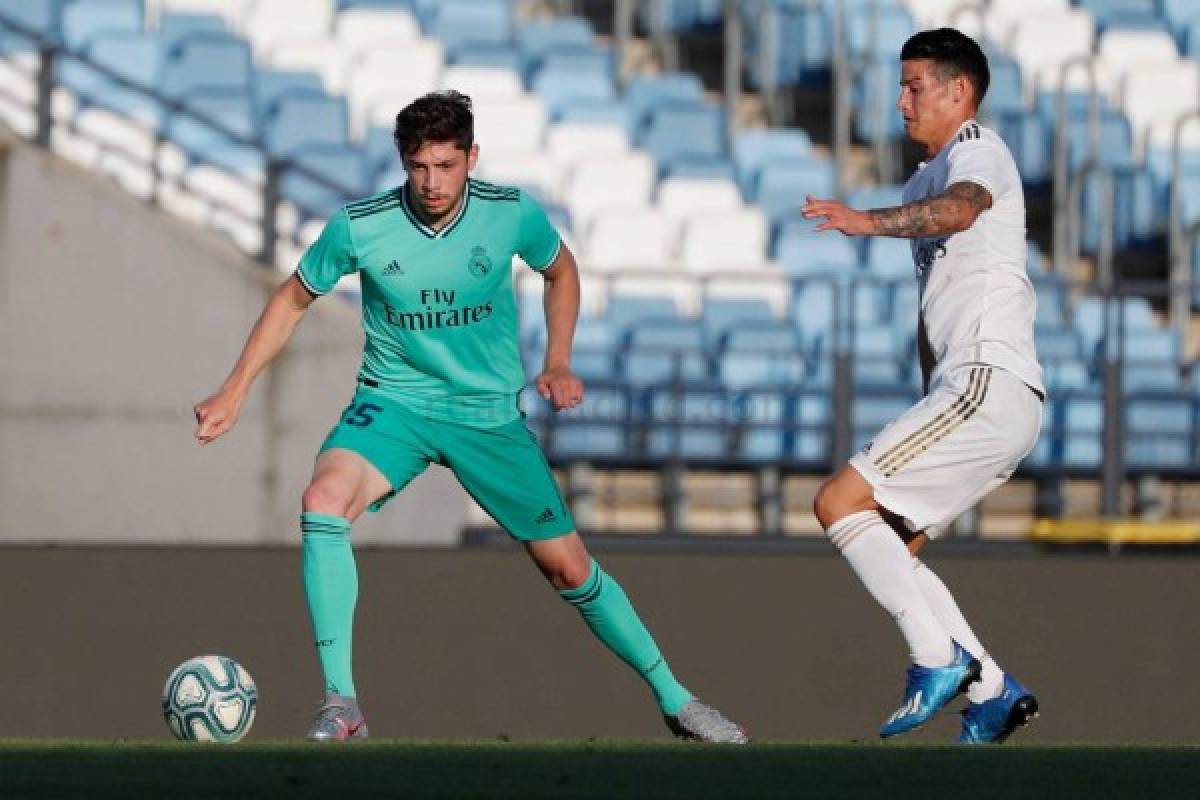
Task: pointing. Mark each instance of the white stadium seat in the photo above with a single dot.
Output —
(568, 142)
(358, 27)
(324, 56)
(719, 241)
(379, 75)
(1001, 19)
(611, 182)
(621, 240)
(1120, 51)
(1043, 42)
(679, 197)
(529, 169)
(1153, 112)
(515, 123)
(267, 22)
(482, 83)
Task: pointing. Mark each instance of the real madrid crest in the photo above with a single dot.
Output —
(479, 263)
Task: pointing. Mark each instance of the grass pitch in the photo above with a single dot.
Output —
(596, 769)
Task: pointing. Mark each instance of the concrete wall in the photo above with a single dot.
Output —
(473, 644)
(114, 321)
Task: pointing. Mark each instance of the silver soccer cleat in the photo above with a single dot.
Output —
(702, 723)
(338, 720)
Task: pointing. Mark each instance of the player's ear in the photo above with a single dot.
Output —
(472, 156)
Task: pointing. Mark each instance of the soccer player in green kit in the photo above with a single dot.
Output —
(438, 384)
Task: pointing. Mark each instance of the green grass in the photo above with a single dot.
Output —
(602, 769)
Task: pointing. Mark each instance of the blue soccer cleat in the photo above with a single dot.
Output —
(927, 689)
(994, 720)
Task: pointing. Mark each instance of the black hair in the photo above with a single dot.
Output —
(954, 53)
(435, 117)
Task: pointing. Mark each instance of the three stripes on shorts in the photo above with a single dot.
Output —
(938, 428)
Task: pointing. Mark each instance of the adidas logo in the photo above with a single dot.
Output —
(393, 268)
(911, 707)
(546, 516)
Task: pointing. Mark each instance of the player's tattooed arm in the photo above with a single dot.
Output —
(948, 213)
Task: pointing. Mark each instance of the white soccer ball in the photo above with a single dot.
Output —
(209, 699)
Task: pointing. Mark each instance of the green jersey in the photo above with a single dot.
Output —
(438, 307)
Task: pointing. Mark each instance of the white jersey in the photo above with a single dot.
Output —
(977, 304)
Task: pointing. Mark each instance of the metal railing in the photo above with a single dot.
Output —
(52, 53)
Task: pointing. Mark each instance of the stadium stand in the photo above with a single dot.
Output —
(717, 325)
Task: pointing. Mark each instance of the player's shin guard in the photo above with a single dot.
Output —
(883, 564)
(331, 587)
(607, 611)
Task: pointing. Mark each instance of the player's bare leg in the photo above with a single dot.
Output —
(856, 525)
(343, 485)
(606, 609)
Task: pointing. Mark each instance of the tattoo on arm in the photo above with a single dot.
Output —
(954, 211)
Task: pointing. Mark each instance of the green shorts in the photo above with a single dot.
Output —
(503, 468)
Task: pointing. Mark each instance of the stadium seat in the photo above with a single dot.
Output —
(206, 60)
(782, 187)
(664, 349)
(609, 182)
(645, 93)
(458, 23)
(561, 88)
(173, 26)
(382, 79)
(760, 352)
(482, 83)
(539, 37)
(341, 165)
(509, 124)
(229, 10)
(675, 133)
(1042, 42)
(755, 149)
(84, 19)
(1162, 431)
(356, 28)
(692, 422)
(627, 239)
(802, 254)
(722, 315)
(267, 23)
(889, 258)
(1083, 428)
(679, 197)
(300, 117)
(803, 44)
(724, 240)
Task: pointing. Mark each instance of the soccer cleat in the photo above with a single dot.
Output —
(993, 721)
(927, 689)
(337, 720)
(698, 722)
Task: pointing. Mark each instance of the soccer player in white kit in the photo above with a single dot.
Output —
(964, 212)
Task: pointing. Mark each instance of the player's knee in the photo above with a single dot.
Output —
(323, 497)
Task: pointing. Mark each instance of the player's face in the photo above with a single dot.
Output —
(930, 106)
(437, 174)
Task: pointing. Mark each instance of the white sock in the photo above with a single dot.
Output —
(991, 680)
(883, 564)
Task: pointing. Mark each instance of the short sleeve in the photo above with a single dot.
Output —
(538, 243)
(983, 162)
(328, 258)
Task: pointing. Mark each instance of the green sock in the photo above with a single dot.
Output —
(331, 586)
(607, 611)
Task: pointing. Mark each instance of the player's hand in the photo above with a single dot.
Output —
(837, 217)
(561, 387)
(216, 415)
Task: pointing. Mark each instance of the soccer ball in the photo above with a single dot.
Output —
(209, 699)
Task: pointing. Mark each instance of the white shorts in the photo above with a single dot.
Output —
(965, 438)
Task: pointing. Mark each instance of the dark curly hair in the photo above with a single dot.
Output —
(435, 117)
(954, 53)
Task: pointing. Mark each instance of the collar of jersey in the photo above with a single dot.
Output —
(421, 226)
(953, 139)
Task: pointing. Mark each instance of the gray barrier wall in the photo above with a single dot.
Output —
(115, 319)
(474, 644)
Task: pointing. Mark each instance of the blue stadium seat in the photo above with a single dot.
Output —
(1005, 94)
(875, 93)
(1058, 343)
(869, 197)
(811, 418)
(1083, 427)
(721, 315)
(84, 19)
(878, 357)
(459, 23)
(1028, 138)
(755, 149)
(540, 37)
(1162, 431)
(763, 415)
(593, 60)
(889, 258)
(487, 54)
(40, 16)
(559, 88)
(207, 60)
(693, 422)
(680, 15)
(663, 349)
(270, 84)
(1178, 15)
(1065, 374)
(1107, 13)
(644, 93)
(805, 255)
(133, 56)
(606, 113)
(594, 429)
(301, 117)
(803, 48)
(881, 37)
(174, 25)
(339, 164)
(675, 133)
(594, 350)
(782, 188)
(875, 407)
(203, 143)
(702, 167)
(762, 353)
